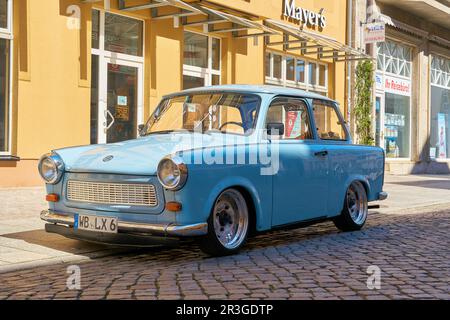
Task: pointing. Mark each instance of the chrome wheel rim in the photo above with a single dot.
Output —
(230, 219)
(357, 203)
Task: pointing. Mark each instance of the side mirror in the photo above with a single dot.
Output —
(141, 129)
(275, 129)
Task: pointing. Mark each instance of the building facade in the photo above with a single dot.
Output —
(75, 72)
(412, 83)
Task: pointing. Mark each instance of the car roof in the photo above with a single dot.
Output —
(266, 89)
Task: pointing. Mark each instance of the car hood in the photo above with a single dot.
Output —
(137, 157)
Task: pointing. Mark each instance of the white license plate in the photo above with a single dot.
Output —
(95, 223)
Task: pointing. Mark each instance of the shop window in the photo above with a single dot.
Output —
(293, 114)
(267, 65)
(290, 71)
(329, 123)
(397, 125)
(195, 50)
(201, 60)
(95, 29)
(277, 66)
(5, 76)
(312, 74)
(322, 75)
(300, 71)
(123, 34)
(440, 108)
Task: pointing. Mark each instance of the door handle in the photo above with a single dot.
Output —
(108, 113)
(321, 153)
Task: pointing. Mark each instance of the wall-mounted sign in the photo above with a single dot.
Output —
(305, 16)
(397, 86)
(379, 82)
(374, 32)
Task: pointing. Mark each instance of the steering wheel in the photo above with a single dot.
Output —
(232, 122)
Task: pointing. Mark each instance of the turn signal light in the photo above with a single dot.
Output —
(52, 197)
(174, 206)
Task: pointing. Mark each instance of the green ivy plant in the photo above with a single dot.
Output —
(363, 105)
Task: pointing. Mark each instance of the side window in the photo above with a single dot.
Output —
(293, 114)
(328, 122)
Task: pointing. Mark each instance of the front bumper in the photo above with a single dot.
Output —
(382, 196)
(166, 230)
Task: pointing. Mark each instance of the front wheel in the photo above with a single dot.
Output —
(354, 214)
(228, 225)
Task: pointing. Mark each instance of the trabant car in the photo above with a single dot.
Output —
(216, 164)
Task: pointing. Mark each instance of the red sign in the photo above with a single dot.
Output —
(291, 120)
(397, 86)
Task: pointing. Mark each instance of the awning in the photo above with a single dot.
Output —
(183, 9)
(212, 19)
(313, 43)
(238, 23)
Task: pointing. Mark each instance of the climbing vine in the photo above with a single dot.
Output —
(363, 105)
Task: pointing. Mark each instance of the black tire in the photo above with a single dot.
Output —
(354, 215)
(229, 206)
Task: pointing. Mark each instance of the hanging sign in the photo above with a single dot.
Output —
(374, 32)
(293, 124)
(305, 16)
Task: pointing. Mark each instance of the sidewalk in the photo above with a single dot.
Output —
(24, 243)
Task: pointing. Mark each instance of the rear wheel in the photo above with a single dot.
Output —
(228, 225)
(354, 214)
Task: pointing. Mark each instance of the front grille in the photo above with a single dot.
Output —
(112, 193)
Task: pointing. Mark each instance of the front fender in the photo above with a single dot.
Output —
(263, 221)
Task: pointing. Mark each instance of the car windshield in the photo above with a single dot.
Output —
(214, 112)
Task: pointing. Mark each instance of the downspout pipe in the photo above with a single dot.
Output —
(349, 63)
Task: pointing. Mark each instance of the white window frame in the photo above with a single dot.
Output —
(296, 84)
(8, 35)
(205, 73)
(105, 57)
(398, 61)
(438, 85)
(382, 71)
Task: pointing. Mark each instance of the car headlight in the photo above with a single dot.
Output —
(51, 168)
(172, 173)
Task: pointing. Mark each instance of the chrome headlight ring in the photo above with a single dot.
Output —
(172, 173)
(51, 168)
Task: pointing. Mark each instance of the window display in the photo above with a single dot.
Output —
(440, 108)
(440, 122)
(396, 126)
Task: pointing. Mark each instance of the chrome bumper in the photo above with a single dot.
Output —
(382, 196)
(191, 230)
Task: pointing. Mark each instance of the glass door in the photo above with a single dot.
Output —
(379, 116)
(120, 107)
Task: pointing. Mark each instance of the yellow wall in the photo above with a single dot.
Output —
(52, 70)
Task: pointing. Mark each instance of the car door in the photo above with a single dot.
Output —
(333, 138)
(300, 186)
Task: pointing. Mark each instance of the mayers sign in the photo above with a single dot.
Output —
(303, 15)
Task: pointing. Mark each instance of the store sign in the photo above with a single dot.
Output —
(308, 17)
(379, 82)
(397, 86)
(374, 32)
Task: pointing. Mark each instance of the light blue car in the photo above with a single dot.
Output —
(217, 164)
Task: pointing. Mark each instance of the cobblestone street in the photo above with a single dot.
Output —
(317, 262)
